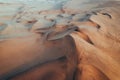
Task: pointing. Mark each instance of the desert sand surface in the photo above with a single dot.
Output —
(60, 40)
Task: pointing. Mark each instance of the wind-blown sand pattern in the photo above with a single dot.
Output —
(60, 40)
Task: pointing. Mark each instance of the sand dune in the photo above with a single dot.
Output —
(54, 32)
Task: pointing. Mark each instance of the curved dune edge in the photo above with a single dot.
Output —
(103, 53)
(96, 40)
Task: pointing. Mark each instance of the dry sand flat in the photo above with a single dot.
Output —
(25, 27)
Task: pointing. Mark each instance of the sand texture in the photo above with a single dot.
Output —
(60, 40)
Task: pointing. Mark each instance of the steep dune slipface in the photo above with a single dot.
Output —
(33, 55)
(28, 55)
(103, 52)
(34, 41)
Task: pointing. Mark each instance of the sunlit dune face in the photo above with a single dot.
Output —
(60, 40)
(102, 47)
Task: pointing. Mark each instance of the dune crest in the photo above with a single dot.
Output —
(60, 40)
